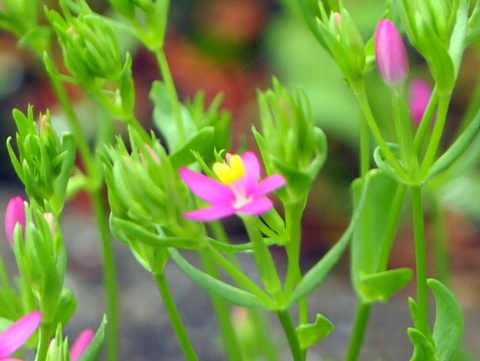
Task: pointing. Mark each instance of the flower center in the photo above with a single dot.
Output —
(231, 171)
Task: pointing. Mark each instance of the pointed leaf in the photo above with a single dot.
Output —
(93, 350)
(423, 349)
(228, 292)
(382, 285)
(448, 328)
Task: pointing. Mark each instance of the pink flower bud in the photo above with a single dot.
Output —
(15, 213)
(392, 61)
(81, 344)
(420, 93)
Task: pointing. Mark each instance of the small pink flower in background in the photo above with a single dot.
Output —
(15, 213)
(390, 53)
(14, 336)
(420, 93)
(80, 344)
(238, 189)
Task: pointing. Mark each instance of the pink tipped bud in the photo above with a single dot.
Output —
(81, 344)
(420, 93)
(392, 61)
(14, 214)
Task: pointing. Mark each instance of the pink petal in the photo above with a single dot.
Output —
(15, 213)
(257, 206)
(252, 171)
(80, 344)
(420, 93)
(210, 213)
(390, 53)
(18, 333)
(269, 184)
(206, 188)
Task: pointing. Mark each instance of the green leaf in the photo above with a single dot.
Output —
(200, 143)
(310, 333)
(374, 231)
(382, 285)
(448, 328)
(228, 292)
(92, 352)
(423, 349)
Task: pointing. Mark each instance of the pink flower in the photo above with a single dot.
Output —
(390, 53)
(238, 189)
(14, 214)
(420, 93)
(14, 336)
(80, 344)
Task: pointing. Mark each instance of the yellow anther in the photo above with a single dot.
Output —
(231, 171)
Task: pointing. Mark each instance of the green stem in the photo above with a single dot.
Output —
(293, 220)
(364, 147)
(172, 93)
(426, 121)
(240, 277)
(262, 334)
(361, 96)
(404, 131)
(362, 315)
(175, 317)
(263, 258)
(291, 334)
(109, 274)
(95, 185)
(389, 234)
(421, 321)
(46, 333)
(230, 340)
(437, 133)
(442, 259)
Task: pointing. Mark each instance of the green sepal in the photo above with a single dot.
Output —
(228, 292)
(93, 350)
(448, 327)
(385, 166)
(379, 287)
(309, 334)
(67, 304)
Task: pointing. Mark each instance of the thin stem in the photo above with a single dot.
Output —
(403, 126)
(44, 342)
(95, 185)
(172, 92)
(230, 340)
(442, 259)
(437, 133)
(360, 323)
(266, 266)
(364, 147)
(240, 277)
(109, 274)
(262, 332)
(293, 219)
(426, 120)
(361, 96)
(175, 319)
(421, 319)
(291, 334)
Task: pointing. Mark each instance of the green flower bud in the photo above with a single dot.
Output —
(147, 198)
(41, 260)
(90, 47)
(44, 162)
(338, 34)
(290, 142)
